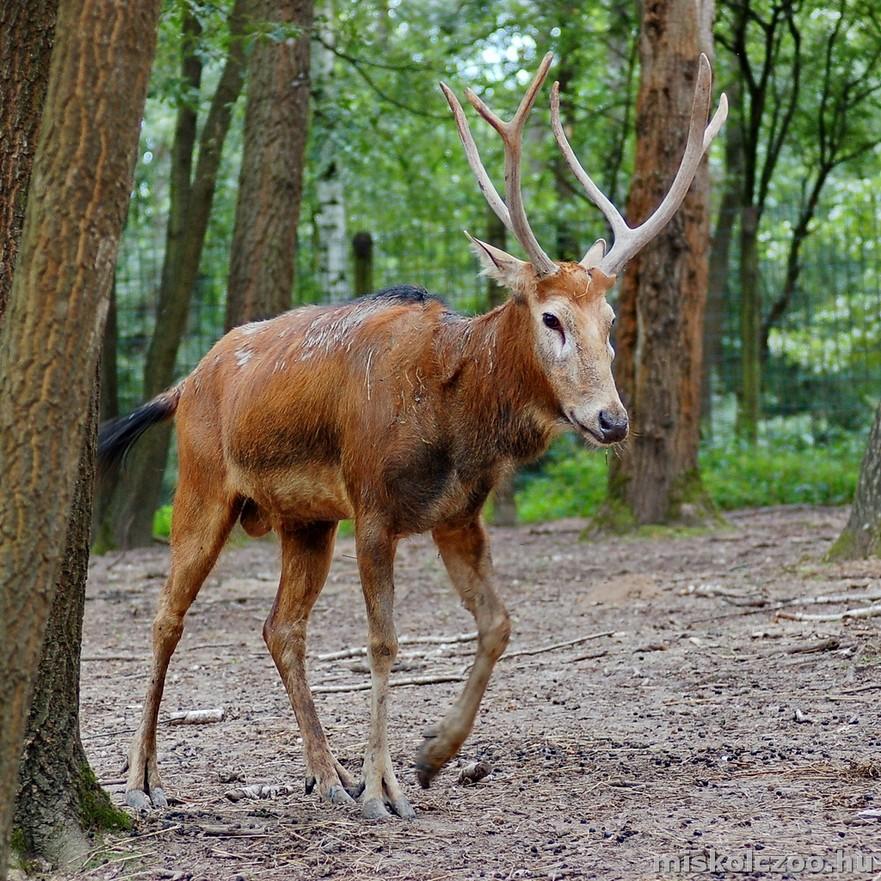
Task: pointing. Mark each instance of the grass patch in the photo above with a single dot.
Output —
(782, 471)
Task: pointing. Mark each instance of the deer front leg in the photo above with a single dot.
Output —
(376, 554)
(465, 552)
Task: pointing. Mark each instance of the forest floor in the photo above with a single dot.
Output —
(690, 718)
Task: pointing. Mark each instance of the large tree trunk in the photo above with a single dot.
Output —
(139, 488)
(664, 291)
(261, 274)
(330, 218)
(51, 334)
(59, 800)
(27, 29)
(862, 535)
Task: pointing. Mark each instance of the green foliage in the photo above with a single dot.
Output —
(783, 470)
(162, 522)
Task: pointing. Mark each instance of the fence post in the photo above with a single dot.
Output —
(362, 248)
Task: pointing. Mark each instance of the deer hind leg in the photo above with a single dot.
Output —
(306, 553)
(465, 552)
(199, 529)
(376, 556)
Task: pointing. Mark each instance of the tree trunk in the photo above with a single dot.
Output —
(664, 292)
(138, 490)
(27, 29)
(108, 408)
(261, 275)
(719, 286)
(51, 335)
(862, 535)
(330, 219)
(59, 800)
(504, 501)
(362, 251)
(750, 391)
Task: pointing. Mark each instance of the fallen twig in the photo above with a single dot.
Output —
(557, 645)
(196, 717)
(359, 651)
(806, 648)
(259, 790)
(393, 683)
(867, 612)
(591, 656)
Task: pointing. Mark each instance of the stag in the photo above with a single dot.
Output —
(401, 415)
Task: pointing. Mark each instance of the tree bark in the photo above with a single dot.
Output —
(51, 334)
(108, 408)
(59, 800)
(27, 29)
(261, 275)
(362, 252)
(862, 536)
(138, 490)
(664, 292)
(330, 217)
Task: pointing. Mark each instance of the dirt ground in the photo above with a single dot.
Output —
(689, 718)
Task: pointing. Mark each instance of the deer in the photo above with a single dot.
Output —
(401, 415)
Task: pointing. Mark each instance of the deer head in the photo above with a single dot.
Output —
(571, 320)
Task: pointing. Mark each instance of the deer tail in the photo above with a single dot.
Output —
(117, 436)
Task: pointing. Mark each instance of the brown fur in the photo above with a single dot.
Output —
(395, 412)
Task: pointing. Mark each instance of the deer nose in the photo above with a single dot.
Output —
(613, 426)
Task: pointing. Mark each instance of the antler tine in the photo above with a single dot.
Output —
(511, 133)
(471, 154)
(597, 196)
(629, 241)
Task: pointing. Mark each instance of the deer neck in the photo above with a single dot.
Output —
(497, 391)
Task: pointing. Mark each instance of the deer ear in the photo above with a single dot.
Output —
(501, 266)
(594, 254)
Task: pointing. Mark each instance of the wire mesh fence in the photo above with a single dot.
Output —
(821, 373)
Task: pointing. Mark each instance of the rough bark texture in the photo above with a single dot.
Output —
(108, 408)
(261, 275)
(51, 334)
(59, 800)
(139, 487)
(27, 29)
(664, 290)
(862, 535)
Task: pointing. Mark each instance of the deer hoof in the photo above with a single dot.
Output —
(338, 796)
(139, 800)
(403, 809)
(374, 809)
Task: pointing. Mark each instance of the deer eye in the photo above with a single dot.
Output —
(552, 322)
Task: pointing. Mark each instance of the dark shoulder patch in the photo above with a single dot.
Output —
(405, 293)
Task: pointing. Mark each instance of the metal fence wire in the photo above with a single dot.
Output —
(822, 372)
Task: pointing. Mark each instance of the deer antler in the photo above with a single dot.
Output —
(511, 212)
(629, 241)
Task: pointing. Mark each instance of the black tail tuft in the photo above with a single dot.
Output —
(118, 436)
